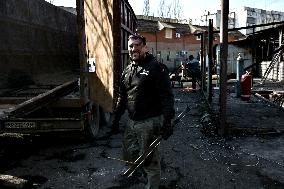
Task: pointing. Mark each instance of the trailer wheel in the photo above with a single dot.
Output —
(92, 124)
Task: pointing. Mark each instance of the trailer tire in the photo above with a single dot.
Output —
(92, 124)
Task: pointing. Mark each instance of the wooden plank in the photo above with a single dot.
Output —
(43, 99)
(97, 44)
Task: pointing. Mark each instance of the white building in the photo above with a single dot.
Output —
(252, 16)
(247, 16)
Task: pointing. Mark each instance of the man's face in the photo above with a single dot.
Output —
(136, 49)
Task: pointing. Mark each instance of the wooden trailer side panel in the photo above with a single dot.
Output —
(97, 50)
(104, 26)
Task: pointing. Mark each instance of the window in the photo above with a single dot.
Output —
(198, 37)
(177, 35)
(169, 33)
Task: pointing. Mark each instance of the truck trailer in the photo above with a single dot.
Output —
(60, 70)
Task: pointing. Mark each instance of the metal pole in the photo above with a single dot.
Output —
(278, 63)
(205, 64)
(156, 44)
(223, 66)
(253, 47)
(203, 71)
(210, 60)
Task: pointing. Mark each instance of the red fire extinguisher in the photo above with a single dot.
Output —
(246, 85)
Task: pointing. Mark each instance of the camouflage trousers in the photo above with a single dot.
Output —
(137, 138)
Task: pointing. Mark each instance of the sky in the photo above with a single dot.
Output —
(194, 9)
(66, 3)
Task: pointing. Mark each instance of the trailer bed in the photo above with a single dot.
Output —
(42, 108)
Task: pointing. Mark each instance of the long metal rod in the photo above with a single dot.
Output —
(142, 158)
(152, 146)
(121, 160)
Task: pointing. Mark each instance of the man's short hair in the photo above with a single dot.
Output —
(139, 37)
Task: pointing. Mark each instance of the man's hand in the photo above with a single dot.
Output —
(167, 129)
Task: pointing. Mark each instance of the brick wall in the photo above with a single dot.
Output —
(169, 48)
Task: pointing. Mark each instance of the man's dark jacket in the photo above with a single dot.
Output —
(145, 91)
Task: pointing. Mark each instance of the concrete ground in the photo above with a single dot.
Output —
(189, 158)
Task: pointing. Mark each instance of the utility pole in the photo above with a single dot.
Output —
(208, 14)
(223, 66)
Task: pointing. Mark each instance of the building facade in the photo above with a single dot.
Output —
(253, 16)
(246, 16)
(171, 42)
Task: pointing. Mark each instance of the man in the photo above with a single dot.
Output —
(193, 67)
(145, 91)
(184, 69)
